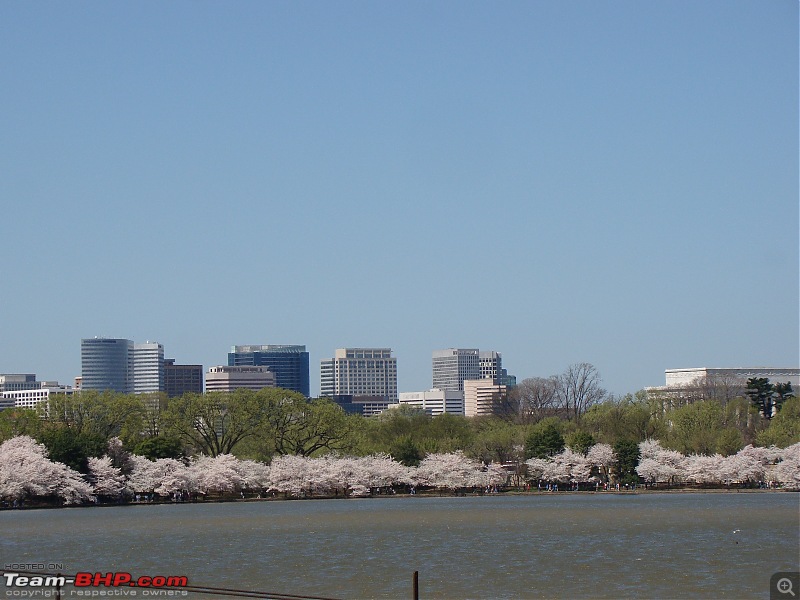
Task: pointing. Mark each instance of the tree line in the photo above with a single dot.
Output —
(537, 419)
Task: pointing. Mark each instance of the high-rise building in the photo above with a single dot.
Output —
(481, 397)
(148, 368)
(452, 366)
(289, 363)
(182, 379)
(360, 372)
(226, 379)
(491, 365)
(107, 364)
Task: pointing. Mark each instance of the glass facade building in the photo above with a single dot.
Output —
(289, 363)
(107, 364)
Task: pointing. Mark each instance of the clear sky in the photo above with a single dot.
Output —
(562, 182)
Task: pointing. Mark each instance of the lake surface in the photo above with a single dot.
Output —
(668, 545)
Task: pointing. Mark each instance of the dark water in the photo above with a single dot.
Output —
(679, 545)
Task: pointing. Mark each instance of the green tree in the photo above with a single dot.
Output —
(302, 427)
(636, 417)
(627, 453)
(695, 427)
(71, 447)
(497, 440)
(404, 450)
(580, 442)
(215, 423)
(762, 394)
(19, 421)
(784, 428)
(104, 414)
(159, 447)
(545, 439)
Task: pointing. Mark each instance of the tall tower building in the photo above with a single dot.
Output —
(452, 366)
(289, 363)
(148, 368)
(491, 364)
(360, 372)
(107, 364)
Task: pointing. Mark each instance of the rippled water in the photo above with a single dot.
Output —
(672, 545)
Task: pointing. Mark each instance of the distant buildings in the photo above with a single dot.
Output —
(148, 368)
(23, 391)
(684, 386)
(289, 363)
(360, 372)
(122, 366)
(227, 379)
(453, 366)
(481, 397)
(366, 406)
(107, 364)
(478, 375)
(682, 377)
(434, 402)
(182, 379)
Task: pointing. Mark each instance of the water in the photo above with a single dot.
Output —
(670, 545)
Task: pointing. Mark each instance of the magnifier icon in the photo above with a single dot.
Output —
(784, 586)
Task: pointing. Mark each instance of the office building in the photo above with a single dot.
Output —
(366, 406)
(454, 365)
(434, 402)
(481, 397)
(182, 379)
(289, 363)
(31, 398)
(360, 372)
(148, 368)
(226, 379)
(491, 365)
(107, 364)
(18, 381)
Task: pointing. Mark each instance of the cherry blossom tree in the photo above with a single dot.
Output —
(287, 474)
(659, 465)
(601, 457)
(787, 471)
(25, 471)
(218, 474)
(108, 480)
(452, 471)
(164, 476)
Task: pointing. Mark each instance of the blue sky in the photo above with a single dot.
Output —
(603, 182)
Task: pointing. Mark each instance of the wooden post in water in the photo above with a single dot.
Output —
(416, 585)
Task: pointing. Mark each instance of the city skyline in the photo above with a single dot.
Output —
(613, 183)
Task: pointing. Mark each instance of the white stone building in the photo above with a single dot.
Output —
(434, 401)
(360, 372)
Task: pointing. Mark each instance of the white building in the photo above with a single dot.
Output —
(360, 372)
(226, 379)
(481, 397)
(454, 365)
(434, 402)
(31, 398)
(148, 368)
(676, 378)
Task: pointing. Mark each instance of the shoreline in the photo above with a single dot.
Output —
(224, 500)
